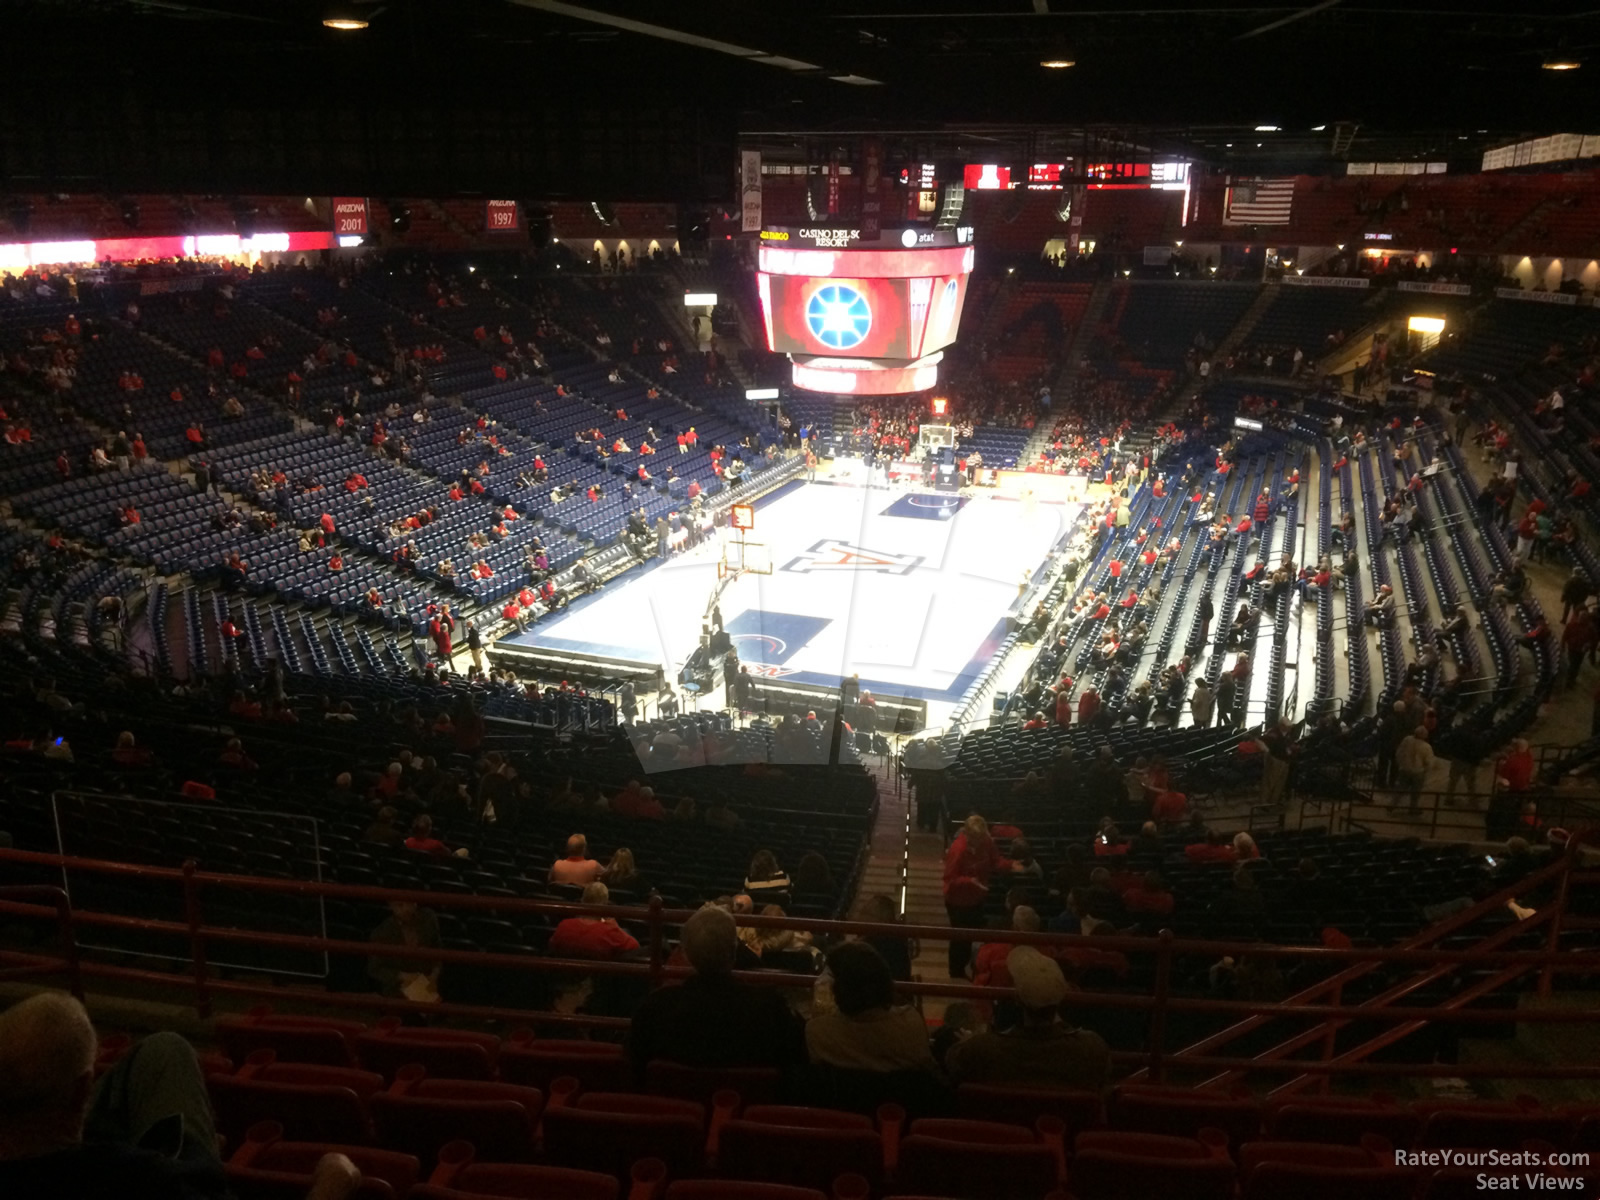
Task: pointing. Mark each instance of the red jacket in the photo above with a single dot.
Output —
(581, 937)
(966, 861)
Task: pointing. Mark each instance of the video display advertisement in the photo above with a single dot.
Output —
(841, 316)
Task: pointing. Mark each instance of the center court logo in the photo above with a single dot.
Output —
(838, 316)
(834, 555)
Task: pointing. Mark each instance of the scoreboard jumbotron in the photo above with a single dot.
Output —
(859, 317)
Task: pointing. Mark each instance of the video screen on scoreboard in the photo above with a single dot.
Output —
(863, 318)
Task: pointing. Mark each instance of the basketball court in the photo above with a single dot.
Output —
(907, 588)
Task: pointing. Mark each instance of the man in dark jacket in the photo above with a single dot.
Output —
(712, 1020)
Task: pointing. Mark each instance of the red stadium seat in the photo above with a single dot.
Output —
(1500, 1125)
(263, 1066)
(443, 1053)
(1341, 1120)
(739, 1189)
(1076, 1110)
(755, 1085)
(597, 1066)
(500, 1120)
(982, 1158)
(1109, 1165)
(609, 1131)
(807, 1147)
(293, 1038)
(1317, 1171)
(265, 1167)
(1182, 1112)
(457, 1171)
(307, 1112)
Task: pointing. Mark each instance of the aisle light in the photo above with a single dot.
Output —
(1561, 62)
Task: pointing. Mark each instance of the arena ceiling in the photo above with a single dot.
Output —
(646, 99)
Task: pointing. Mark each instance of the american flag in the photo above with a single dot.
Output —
(1254, 201)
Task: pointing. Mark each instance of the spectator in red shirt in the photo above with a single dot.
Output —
(1514, 772)
(326, 522)
(1169, 808)
(423, 841)
(577, 867)
(1150, 896)
(636, 801)
(1088, 705)
(591, 937)
(968, 865)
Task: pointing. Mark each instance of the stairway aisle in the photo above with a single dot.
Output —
(907, 865)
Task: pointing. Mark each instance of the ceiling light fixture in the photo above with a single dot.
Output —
(344, 17)
(1561, 62)
(1318, 128)
(1058, 64)
(1266, 129)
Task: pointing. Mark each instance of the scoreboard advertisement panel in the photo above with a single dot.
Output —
(830, 296)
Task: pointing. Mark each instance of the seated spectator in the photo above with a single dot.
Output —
(868, 1032)
(127, 754)
(766, 879)
(621, 875)
(591, 937)
(383, 831)
(577, 868)
(143, 1131)
(812, 877)
(1043, 1051)
(423, 841)
(1380, 610)
(413, 927)
(711, 1020)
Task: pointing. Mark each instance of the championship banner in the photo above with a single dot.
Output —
(501, 216)
(1536, 297)
(871, 206)
(750, 191)
(350, 216)
(1435, 289)
(1328, 281)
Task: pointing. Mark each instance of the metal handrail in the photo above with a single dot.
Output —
(653, 965)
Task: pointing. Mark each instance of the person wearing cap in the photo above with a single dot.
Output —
(1043, 1050)
(712, 1020)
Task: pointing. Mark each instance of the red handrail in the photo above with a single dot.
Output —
(1153, 1062)
(1409, 951)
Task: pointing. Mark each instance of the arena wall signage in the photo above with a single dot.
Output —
(1434, 289)
(1535, 297)
(350, 216)
(1327, 281)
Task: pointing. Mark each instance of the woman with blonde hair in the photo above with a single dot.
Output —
(621, 875)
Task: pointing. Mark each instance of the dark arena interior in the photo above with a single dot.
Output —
(968, 599)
